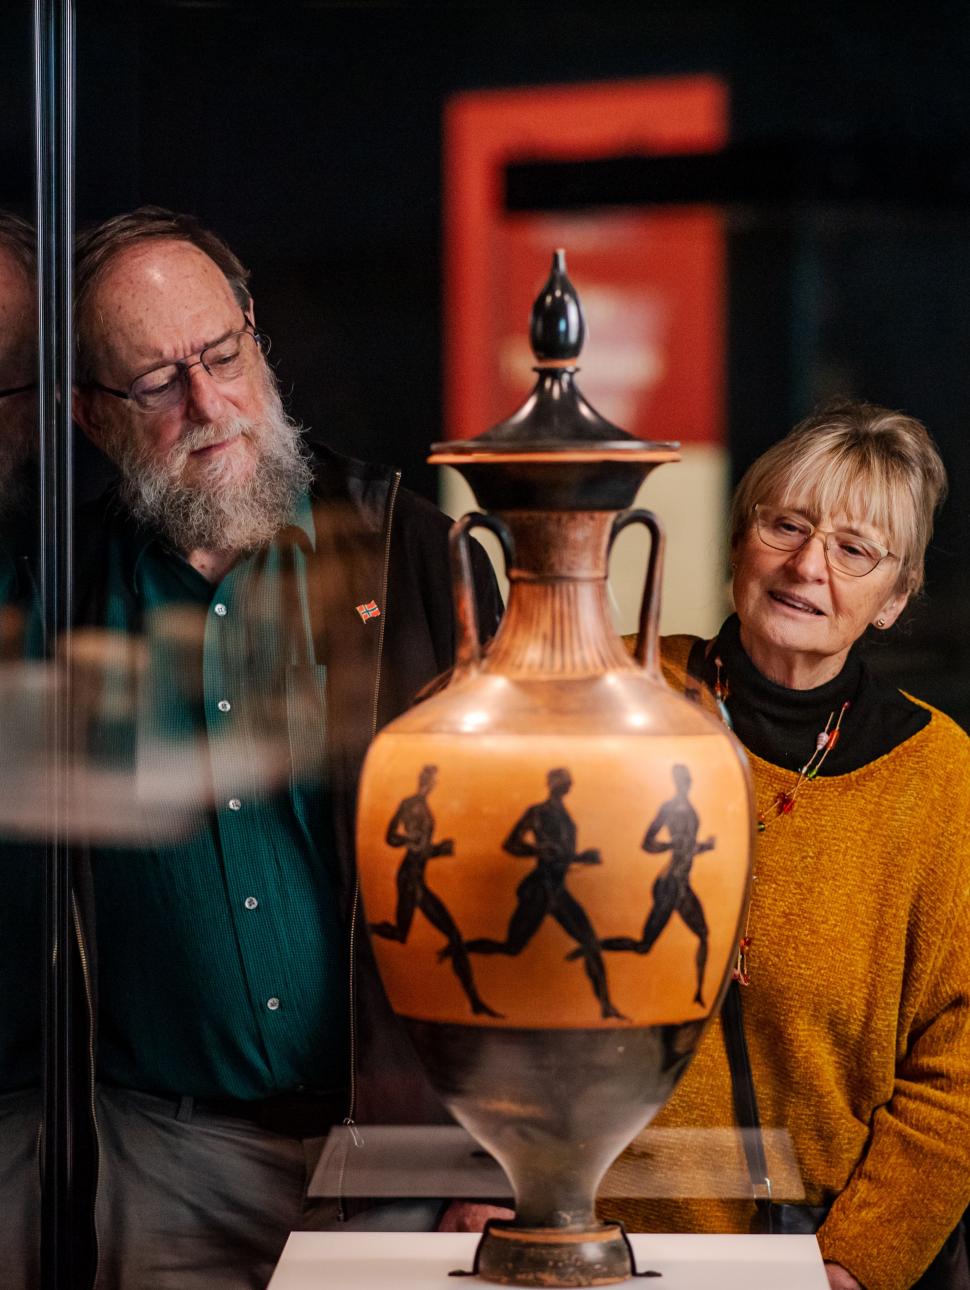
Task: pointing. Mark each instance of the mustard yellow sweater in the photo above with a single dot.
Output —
(858, 1012)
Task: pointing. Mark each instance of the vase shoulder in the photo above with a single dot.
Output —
(622, 701)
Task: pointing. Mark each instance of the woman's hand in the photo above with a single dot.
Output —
(470, 1216)
(840, 1279)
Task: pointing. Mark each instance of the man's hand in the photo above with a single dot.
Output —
(470, 1216)
(840, 1279)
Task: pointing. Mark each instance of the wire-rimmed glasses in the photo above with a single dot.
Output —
(164, 387)
(845, 551)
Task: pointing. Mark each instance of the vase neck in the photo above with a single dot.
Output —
(557, 623)
(562, 546)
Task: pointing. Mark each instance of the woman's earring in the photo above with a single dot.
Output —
(880, 622)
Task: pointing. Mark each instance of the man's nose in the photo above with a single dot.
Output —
(204, 401)
(809, 560)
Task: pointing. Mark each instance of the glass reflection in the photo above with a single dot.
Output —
(21, 846)
(222, 960)
(205, 729)
(230, 663)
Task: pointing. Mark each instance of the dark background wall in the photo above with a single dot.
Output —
(310, 135)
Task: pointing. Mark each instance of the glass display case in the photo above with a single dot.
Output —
(321, 224)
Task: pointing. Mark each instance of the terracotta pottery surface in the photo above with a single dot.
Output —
(485, 783)
(554, 850)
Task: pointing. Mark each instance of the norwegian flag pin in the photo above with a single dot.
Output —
(370, 610)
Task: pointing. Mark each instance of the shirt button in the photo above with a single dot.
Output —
(223, 705)
(235, 804)
(220, 609)
(273, 1004)
(250, 902)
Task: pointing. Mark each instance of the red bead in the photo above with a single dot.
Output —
(745, 944)
(834, 739)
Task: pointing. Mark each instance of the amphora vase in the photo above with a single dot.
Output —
(555, 849)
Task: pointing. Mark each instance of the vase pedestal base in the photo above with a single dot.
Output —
(549, 1256)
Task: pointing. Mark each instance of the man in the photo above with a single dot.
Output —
(18, 391)
(21, 867)
(277, 605)
(672, 892)
(413, 827)
(543, 893)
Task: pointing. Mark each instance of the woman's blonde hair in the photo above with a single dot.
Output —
(854, 460)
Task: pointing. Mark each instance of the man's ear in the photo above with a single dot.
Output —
(83, 410)
(250, 313)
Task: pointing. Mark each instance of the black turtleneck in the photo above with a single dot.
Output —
(781, 725)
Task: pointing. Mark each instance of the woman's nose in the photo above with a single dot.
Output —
(809, 560)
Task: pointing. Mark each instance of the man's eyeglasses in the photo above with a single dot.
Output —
(164, 387)
(845, 552)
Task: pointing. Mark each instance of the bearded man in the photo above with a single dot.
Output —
(18, 380)
(277, 603)
(21, 859)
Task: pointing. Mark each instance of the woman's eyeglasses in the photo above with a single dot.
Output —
(845, 552)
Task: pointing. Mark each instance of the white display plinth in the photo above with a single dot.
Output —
(422, 1261)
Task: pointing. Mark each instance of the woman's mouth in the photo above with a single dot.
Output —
(796, 603)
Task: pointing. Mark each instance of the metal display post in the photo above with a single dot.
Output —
(61, 1229)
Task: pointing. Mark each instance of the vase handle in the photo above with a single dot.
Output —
(468, 648)
(646, 652)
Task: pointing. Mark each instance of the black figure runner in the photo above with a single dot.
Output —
(672, 891)
(543, 891)
(413, 827)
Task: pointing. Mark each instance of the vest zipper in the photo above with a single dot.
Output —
(349, 1119)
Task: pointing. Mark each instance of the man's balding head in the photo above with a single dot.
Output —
(97, 248)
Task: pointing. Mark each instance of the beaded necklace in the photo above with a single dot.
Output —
(784, 802)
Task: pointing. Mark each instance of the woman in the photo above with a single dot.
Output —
(856, 1002)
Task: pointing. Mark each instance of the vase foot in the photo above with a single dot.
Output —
(549, 1256)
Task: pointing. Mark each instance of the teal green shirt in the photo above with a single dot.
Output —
(222, 959)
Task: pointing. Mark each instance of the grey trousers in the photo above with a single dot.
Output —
(20, 1116)
(188, 1200)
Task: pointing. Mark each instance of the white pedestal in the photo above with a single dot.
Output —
(422, 1261)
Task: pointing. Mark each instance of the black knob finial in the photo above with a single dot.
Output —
(558, 327)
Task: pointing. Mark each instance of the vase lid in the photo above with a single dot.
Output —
(556, 422)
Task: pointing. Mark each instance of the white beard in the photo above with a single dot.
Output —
(217, 512)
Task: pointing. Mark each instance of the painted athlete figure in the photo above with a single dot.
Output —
(413, 827)
(542, 893)
(672, 892)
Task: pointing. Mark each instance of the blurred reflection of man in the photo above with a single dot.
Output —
(18, 387)
(21, 870)
(285, 598)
